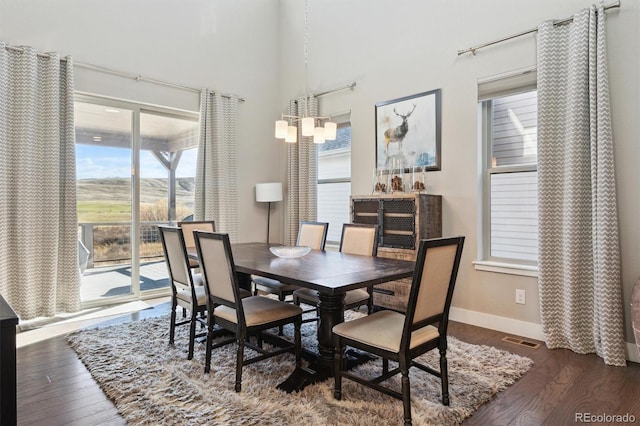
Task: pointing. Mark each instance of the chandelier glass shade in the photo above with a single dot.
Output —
(320, 128)
(311, 127)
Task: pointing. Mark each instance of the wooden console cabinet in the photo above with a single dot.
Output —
(404, 219)
(8, 322)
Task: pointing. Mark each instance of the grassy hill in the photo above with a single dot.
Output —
(109, 199)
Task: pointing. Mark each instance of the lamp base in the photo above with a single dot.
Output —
(268, 220)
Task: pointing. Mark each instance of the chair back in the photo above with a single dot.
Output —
(359, 238)
(175, 254)
(189, 226)
(218, 269)
(433, 283)
(312, 234)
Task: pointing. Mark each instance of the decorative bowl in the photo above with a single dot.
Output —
(290, 252)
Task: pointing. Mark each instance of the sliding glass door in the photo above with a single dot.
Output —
(135, 171)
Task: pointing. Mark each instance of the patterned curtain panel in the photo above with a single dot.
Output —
(39, 273)
(302, 173)
(579, 261)
(216, 195)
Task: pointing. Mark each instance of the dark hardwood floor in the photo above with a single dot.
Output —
(54, 387)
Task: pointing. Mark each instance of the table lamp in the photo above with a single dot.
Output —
(268, 193)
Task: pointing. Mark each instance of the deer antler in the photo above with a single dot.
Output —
(404, 117)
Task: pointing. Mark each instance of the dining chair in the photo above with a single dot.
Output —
(187, 290)
(357, 238)
(187, 230)
(403, 337)
(310, 234)
(242, 316)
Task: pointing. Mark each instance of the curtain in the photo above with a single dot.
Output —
(216, 192)
(579, 255)
(39, 274)
(302, 173)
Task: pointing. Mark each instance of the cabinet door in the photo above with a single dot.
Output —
(366, 211)
(398, 223)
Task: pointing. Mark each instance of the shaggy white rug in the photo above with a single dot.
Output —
(151, 382)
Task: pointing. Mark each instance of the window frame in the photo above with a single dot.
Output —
(518, 83)
(342, 120)
(137, 109)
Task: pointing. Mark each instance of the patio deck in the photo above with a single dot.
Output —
(109, 281)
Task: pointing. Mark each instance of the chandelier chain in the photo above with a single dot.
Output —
(306, 60)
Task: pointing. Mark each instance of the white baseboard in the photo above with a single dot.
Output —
(494, 322)
(515, 327)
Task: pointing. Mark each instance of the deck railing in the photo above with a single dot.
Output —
(109, 243)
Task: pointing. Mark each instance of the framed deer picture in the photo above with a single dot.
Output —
(408, 132)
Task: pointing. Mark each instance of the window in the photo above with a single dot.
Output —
(135, 169)
(334, 180)
(510, 189)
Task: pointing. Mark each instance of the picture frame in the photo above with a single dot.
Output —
(408, 132)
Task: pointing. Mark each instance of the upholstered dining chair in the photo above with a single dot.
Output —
(187, 290)
(243, 317)
(403, 337)
(187, 230)
(310, 234)
(357, 238)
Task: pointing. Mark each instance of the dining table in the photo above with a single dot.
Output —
(331, 274)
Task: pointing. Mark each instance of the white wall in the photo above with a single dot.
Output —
(394, 48)
(226, 45)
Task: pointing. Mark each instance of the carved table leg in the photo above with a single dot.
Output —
(331, 309)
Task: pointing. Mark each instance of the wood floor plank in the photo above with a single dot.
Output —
(536, 411)
(589, 393)
(79, 402)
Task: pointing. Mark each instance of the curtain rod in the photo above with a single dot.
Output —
(560, 22)
(351, 86)
(137, 77)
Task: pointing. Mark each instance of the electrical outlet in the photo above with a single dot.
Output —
(520, 296)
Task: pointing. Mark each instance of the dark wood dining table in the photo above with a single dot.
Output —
(331, 274)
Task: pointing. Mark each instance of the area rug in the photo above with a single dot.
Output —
(151, 382)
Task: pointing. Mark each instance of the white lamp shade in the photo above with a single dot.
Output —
(307, 126)
(281, 129)
(318, 135)
(330, 129)
(268, 192)
(292, 134)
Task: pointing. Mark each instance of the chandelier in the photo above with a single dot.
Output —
(286, 127)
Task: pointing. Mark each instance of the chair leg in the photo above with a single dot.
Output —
(385, 365)
(207, 360)
(239, 360)
(192, 333)
(202, 317)
(172, 326)
(184, 313)
(444, 377)
(370, 300)
(281, 298)
(297, 339)
(337, 369)
(406, 395)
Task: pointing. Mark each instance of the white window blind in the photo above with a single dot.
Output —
(514, 215)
